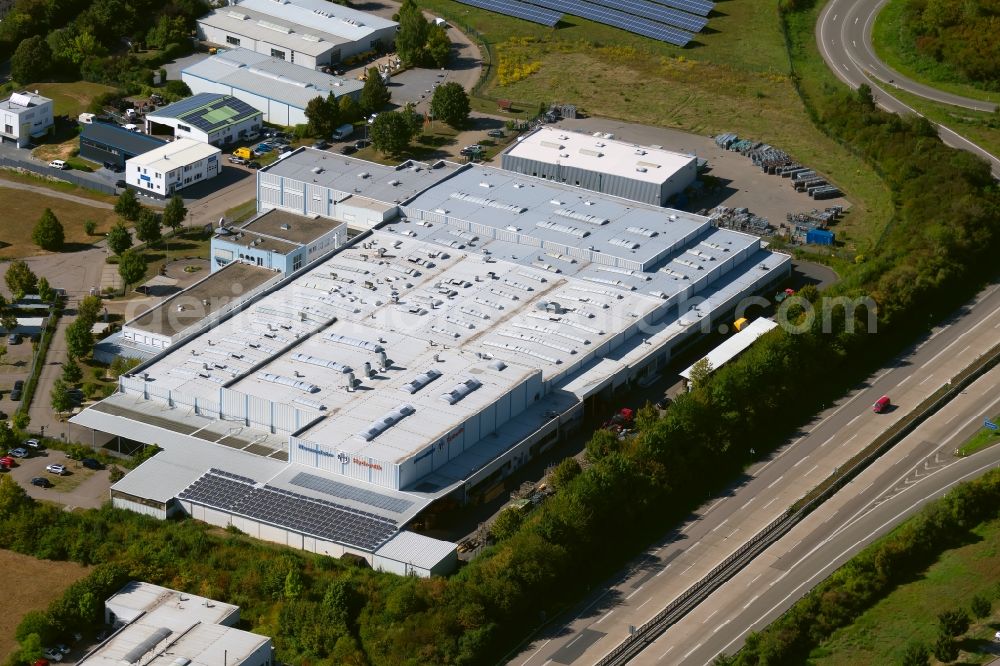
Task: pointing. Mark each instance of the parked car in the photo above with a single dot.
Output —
(7, 462)
(881, 404)
(102, 634)
(18, 453)
(321, 145)
(42, 482)
(14, 339)
(91, 463)
(496, 133)
(62, 647)
(56, 469)
(263, 148)
(279, 141)
(19, 385)
(474, 149)
(33, 444)
(40, 662)
(253, 164)
(121, 184)
(361, 143)
(58, 164)
(348, 149)
(237, 160)
(51, 653)
(15, 395)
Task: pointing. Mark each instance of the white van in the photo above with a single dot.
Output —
(58, 164)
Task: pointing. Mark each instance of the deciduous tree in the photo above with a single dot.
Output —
(20, 279)
(61, 399)
(392, 132)
(374, 95)
(411, 38)
(147, 227)
(450, 103)
(31, 59)
(131, 268)
(174, 213)
(79, 339)
(127, 206)
(119, 239)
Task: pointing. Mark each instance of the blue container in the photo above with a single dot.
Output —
(819, 237)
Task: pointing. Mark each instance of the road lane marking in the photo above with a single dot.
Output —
(643, 603)
(637, 590)
(747, 604)
(812, 469)
(540, 647)
(711, 616)
(828, 441)
(755, 579)
(666, 653)
(605, 616)
(773, 500)
(801, 460)
(851, 422)
(848, 440)
(776, 482)
(903, 381)
(692, 650)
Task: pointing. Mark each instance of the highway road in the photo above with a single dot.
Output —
(719, 528)
(843, 33)
(919, 469)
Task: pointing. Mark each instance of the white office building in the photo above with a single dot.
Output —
(310, 33)
(25, 116)
(214, 118)
(172, 167)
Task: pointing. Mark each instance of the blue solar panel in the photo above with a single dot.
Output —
(657, 13)
(521, 10)
(699, 7)
(618, 19)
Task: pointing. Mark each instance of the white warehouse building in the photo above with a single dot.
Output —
(642, 173)
(278, 89)
(428, 358)
(310, 33)
(218, 119)
(163, 171)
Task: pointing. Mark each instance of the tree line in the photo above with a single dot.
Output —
(960, 34)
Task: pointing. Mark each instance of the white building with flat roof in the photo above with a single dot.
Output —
(310, 33)
(277, 88)
(25, 116)
(427, 358)
(158, 626)
(642, 173)
(172, 167)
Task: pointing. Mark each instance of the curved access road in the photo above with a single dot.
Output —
(919, 469)
(843, 34)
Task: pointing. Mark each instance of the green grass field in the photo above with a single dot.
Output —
(910, 612)
(735, 77)
(983, 439)
(27, 207)
(899, 53)
(70, 99)
(980, 127)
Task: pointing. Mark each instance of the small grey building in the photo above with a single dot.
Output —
(597, 162)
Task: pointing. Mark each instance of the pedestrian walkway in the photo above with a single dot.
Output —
(49, 192)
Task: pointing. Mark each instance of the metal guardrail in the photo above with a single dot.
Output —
(48, 172)
(694, 595)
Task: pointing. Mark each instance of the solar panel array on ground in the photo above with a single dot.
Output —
(671, 21)
(283, 508)
(517, 9)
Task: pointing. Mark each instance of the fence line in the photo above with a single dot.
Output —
(48, 172)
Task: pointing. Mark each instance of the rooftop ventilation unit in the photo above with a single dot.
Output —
(284, 29)
(642, 231)
(386, 422)
(317, 169)
(309, 402)
(551, 144)
(582, 217)
(538, 340)
(641, 169)
(239, 16)
(688, 263)
(288, 381)
(523, 350)
(613, 283)
(491, 203)
(354, 342)
(563, 228)
(311, 38)
(322, 362)
(622, 242)
(461, 390)
(497, 365)
(485, 184)
(591, 153)
(714, 246)
(420, 381)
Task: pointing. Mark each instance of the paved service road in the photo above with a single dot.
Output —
(843, 33)
(668, 568)
(920, 468)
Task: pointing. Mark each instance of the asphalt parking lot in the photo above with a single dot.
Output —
(80, 488)
(742, 184)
